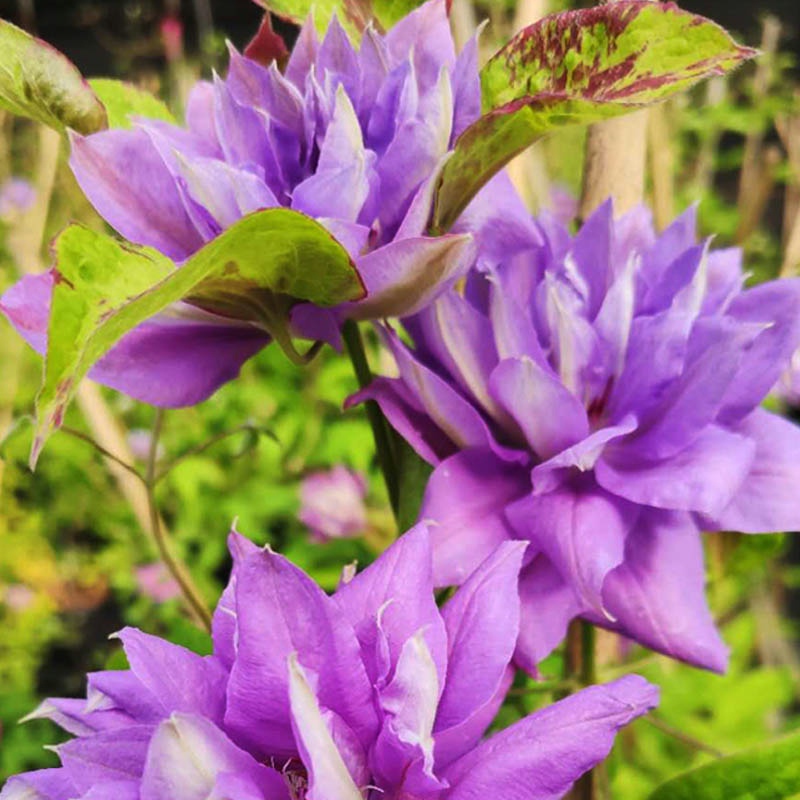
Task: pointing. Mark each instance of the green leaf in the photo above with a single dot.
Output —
(579, 67)
(769, 772)
(37, 81)
(253, 271)
(354, 15)
(123, 100)
(389, 12)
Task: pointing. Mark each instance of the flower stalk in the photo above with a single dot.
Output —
(178, 570)
(384, 446)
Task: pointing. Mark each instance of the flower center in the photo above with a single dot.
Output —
(295, 775)
(596, 408)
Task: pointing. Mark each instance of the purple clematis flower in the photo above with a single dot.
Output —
(352, 138)
(598, 396)
(332, 503)
(372, 693)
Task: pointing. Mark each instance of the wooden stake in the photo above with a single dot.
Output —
(528, 171)
(662, 168)
(615, 163)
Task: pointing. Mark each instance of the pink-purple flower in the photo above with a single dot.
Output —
(16, 196)
(598, 396)
(351, 137)
(332, 503)
(372, 694)
(155, 582)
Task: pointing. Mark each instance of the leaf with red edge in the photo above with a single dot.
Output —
(579, 67)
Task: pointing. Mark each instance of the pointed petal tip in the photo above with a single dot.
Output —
(41, 711)
(636, 692)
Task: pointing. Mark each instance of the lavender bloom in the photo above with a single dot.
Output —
(598, 397)
(372, 694)
(353, 138)
(332, 504)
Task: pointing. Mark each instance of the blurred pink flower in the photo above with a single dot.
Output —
(16, 195)
(156, 583)
(172, 38)
(563, 204)
(332, 503)
(18, 597)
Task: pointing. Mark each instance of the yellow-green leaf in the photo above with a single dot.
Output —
(124, 100)
(105, 288)
(37, 81)
(354, 15)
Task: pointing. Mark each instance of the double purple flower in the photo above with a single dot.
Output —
(353, 138)
(598, 396)
(372, 694)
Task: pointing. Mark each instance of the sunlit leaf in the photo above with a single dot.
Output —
(252, 271)
(37, 81)
(354, 15)
(124, 100)
(769, 772)
(579, 67)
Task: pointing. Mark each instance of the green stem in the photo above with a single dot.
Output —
(579, 665)
(178, 570)
(272, 311)
(588, 648)
(380, 430)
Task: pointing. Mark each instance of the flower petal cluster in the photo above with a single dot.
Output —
(332, 503)
(598, 396)
(373, 692)
(351, 137)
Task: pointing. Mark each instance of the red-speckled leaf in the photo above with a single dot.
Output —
(579, 67)
(37, 81)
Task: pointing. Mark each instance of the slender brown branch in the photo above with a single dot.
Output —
(84, 437)
(685, 738)
(197, 450)
(177, 569)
